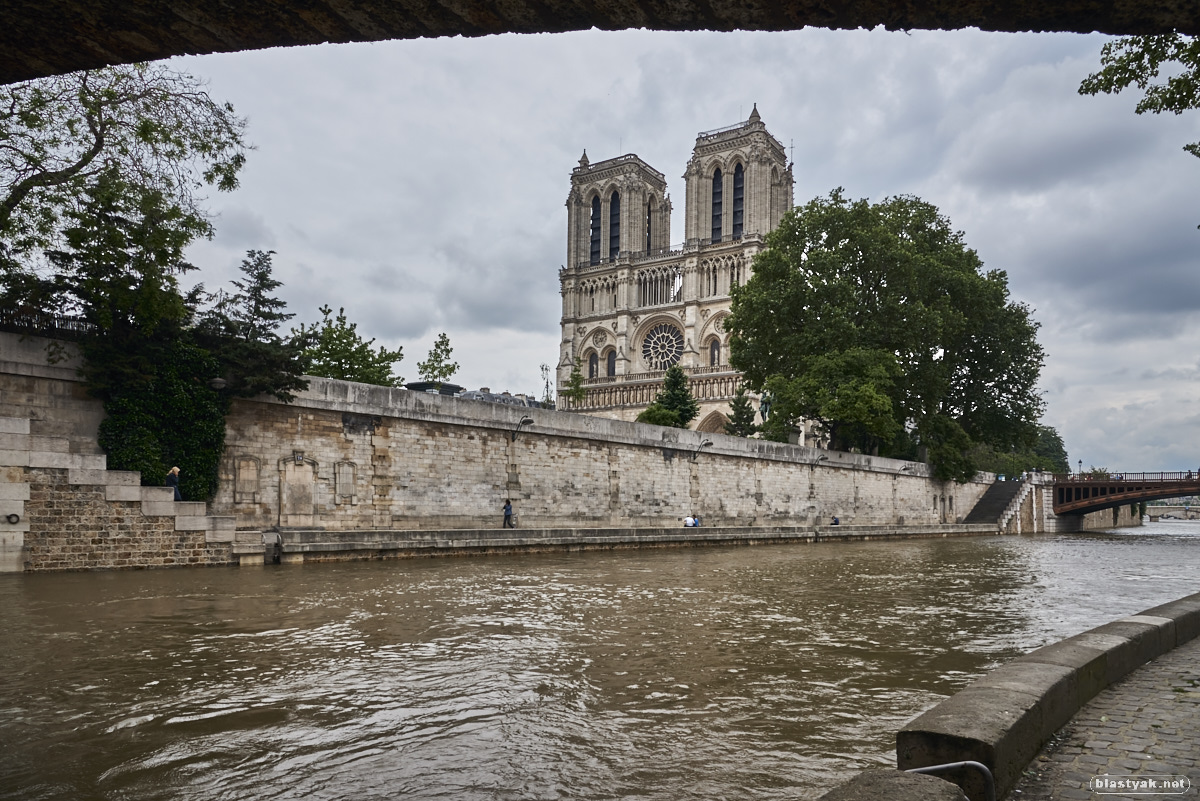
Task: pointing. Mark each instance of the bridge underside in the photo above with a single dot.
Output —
(1081, 497)
(47, 37)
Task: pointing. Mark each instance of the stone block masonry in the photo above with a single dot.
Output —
(79, 528)
(348, 456)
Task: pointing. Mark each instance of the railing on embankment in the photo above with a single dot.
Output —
(1003, 719)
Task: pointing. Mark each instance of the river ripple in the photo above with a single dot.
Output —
(716, 673)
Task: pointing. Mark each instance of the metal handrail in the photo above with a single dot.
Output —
(989, 783)
(1113, 475)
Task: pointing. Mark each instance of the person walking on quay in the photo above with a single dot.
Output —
(508, 523)
(173, 481)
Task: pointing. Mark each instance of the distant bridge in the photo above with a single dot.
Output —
(1083, 493)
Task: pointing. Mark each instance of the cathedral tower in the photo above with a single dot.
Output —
(634, 304)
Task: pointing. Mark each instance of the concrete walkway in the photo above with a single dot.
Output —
(1146, 725)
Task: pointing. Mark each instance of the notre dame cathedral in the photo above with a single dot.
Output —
(633, 304)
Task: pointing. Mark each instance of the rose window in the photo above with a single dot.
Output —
(663, 346)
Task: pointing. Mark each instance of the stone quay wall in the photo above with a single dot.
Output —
(348, 456)
(79, 528)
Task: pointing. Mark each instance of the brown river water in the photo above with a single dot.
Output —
(709, 673)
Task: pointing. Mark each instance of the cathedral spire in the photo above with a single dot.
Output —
(583, 160)
(754, 114)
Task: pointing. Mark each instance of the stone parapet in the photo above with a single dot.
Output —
(1003, 719)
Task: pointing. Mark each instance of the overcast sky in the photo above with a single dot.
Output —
(420, 184)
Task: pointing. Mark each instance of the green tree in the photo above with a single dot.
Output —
(673, 403)
(241, 330)
(437, 367)
(336, 350)
(575, 392)
(878, 323)
(119, 269)
(741, 415)
(658, 415)
(1140, 61)
(155, 127)
(1050, 451)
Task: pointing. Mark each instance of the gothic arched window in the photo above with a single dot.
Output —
(614, 225)
(714, 353)
(718, 190)
(593, 366)
(612, 363)
(739, 199)
(595, 256)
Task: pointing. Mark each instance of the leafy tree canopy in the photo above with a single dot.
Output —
(437, 366)
(155, 127)
(1140, 61)
(1047, 455)
(879, 324)
(336, 350)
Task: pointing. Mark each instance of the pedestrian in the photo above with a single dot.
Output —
(173, 481)
(508, 523)
(688, 522)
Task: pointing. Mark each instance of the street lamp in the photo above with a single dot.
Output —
(523, 422)
(703, 444)
(1080, 473)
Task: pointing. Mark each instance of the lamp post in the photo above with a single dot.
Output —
(524, 421)
(1080, 473)
(703, 444)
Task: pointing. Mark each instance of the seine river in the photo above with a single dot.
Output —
(716, 673)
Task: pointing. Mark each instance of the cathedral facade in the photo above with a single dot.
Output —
(633, 304)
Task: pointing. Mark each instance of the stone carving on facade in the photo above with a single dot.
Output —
(600, 337)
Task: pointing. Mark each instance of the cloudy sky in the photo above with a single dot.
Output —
(421, 184)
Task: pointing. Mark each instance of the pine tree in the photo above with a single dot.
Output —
(241, 331)
(676, 397)
(338, 351)
(741, 418)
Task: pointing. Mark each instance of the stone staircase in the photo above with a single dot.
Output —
(1001, 499)
(21, 449)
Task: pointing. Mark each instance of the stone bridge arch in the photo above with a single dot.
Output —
(51, 37)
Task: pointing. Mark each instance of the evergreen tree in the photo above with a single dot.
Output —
(119, 269)
(437, 367)
(241, 331)
(334, 349)
(741, 415)
(677, 397)
(657, 415)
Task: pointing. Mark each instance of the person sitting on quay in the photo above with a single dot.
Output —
(689, 522)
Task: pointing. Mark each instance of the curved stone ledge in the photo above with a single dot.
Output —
(1004, 718)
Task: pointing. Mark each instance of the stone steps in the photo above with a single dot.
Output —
(20, 449)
